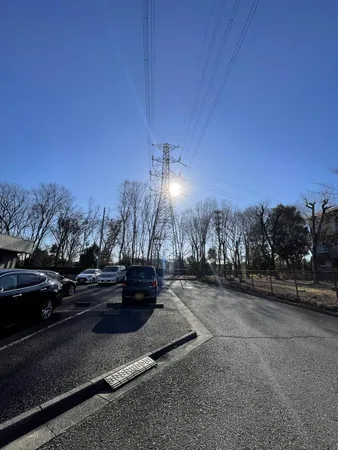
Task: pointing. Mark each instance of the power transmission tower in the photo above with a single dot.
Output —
(164, 220)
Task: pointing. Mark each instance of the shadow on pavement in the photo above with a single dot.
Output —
(124, 322)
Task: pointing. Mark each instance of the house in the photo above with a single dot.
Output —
(10, 248)
(327, 250)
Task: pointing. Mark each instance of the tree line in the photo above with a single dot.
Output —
(258, 237)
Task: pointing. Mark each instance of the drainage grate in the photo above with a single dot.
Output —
(122, 376)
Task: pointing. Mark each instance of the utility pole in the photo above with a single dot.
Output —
(164, 223)
(101, 238)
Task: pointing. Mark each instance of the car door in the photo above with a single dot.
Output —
(32, 289)
(9, 297)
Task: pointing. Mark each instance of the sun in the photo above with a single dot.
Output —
(175, 189)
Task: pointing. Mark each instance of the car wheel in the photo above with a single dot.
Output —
(46, 309)
(71, 290)
(154, 300)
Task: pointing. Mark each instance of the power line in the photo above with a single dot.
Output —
(148, 61)
(198, 63)
(228, 71)
(152, 61)
(215, 67)
(206, 63)
(229, 183)
(219, 191)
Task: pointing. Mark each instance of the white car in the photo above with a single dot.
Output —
(88, 276)
(112, 275)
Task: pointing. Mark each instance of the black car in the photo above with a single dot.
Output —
(140, 285)
(26, 293)
(68, 285)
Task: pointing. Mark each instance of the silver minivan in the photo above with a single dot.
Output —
(112, 274)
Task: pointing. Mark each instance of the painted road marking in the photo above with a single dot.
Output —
(49, 327)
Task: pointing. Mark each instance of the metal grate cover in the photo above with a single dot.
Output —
(122, 376)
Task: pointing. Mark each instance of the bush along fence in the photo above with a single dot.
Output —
(295, 286)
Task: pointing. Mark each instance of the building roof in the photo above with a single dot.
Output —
(328, 211)
(332, 208)
(16, 245)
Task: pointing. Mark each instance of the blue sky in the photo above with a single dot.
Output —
(72, 96)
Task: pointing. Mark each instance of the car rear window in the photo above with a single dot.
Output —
(110, 269)
(140, 272)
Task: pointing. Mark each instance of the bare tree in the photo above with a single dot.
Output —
(90, 224)
(67, 231)
(47, 201)
(316, 221)
(14, 209)
(249, 236)
(235, 241)
(198, 224)
(268, 220)
(221, 218)
(110, 236)
(136, 192)
(124, 210)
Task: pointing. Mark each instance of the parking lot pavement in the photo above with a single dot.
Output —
(267, 379)
(42, 362)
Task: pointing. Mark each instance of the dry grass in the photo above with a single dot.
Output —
(321, 296)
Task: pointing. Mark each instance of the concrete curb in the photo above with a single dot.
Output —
(156, 354)
(36, 417)
(301, 305)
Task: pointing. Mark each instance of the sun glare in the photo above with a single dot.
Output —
(175, 189)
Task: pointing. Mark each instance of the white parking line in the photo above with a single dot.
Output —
(49, 327)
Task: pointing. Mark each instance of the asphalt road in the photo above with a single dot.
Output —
(266, 380)
(42, 361)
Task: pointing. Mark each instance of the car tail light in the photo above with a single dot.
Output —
(154, 283)
(125, 283)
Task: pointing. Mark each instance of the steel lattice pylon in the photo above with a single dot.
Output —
(164, 222)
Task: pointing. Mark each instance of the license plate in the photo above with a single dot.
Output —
(139, 296)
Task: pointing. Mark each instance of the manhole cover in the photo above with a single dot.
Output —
(122, 376)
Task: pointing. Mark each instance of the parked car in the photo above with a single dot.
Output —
(160, 274)
(112, 274)
(140, 285)
(68, 285)
(27, 293)
(88, 276)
